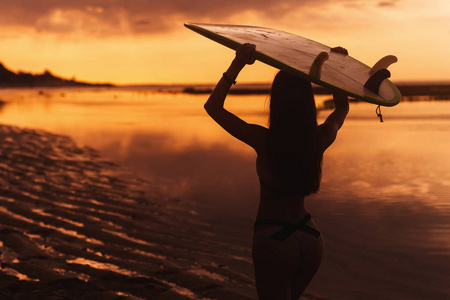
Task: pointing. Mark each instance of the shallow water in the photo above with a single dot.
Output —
(384, 204)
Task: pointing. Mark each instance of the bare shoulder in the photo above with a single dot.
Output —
(259, 134)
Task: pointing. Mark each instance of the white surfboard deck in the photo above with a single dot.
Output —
(295, 54)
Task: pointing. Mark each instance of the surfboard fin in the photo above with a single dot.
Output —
(374, 82)
(383, 63)
(316, 67)
(340, 50)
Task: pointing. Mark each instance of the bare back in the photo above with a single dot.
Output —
(274, 204)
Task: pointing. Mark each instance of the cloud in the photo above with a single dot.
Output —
(391, 3)
(116, 17)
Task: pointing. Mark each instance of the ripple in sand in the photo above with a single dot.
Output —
(72, 233)
(54, 190)
(20, 276)
(7, 199)
(70, 274)
(43, 245)
(104, 222)
(104, 266)
(183, 291)
(46, 214)
(129, 296)
(145, 253)
(100, 254)
(205, 273)
(16, 216)
(69, 232)
(129, 238)
(7, 256)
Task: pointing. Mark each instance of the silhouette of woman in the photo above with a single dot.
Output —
(287, 245)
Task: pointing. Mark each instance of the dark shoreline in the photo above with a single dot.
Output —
(409, 89)
(10, 79)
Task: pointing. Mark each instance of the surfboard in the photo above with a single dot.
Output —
(329, 67)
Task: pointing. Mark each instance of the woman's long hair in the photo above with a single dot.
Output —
(293, 145)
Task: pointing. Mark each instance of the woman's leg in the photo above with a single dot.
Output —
(275, 265)
(308, 265)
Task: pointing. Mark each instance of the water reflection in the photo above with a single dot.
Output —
(211, 175)
(169, 139)
(383, 204)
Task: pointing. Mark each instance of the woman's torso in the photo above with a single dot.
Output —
(276, 203)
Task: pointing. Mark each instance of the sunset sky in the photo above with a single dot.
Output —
(137, 41)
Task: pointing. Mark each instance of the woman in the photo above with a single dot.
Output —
(287, 245)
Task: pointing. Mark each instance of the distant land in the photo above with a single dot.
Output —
(437, 90)
(46, 79)
(433, 90)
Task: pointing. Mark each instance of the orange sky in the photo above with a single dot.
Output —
(145, 42)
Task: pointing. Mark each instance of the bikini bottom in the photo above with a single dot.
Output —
(301, 235)
(286, 255)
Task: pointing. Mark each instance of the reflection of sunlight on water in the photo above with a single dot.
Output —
(420, 189)
(440, 236)
(182, 115)
(404, 155)
(389, 190)
(387, 184)
(358, 184)
(169, 138)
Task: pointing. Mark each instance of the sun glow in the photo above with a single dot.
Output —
(86, 44)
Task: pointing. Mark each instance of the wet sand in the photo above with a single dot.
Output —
(75, 226)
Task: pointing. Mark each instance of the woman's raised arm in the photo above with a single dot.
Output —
(248, 133)
(336, 119)
(217, 98)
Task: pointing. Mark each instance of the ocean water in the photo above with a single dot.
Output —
(384, 203)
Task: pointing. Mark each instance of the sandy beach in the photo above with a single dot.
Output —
(75, 226)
